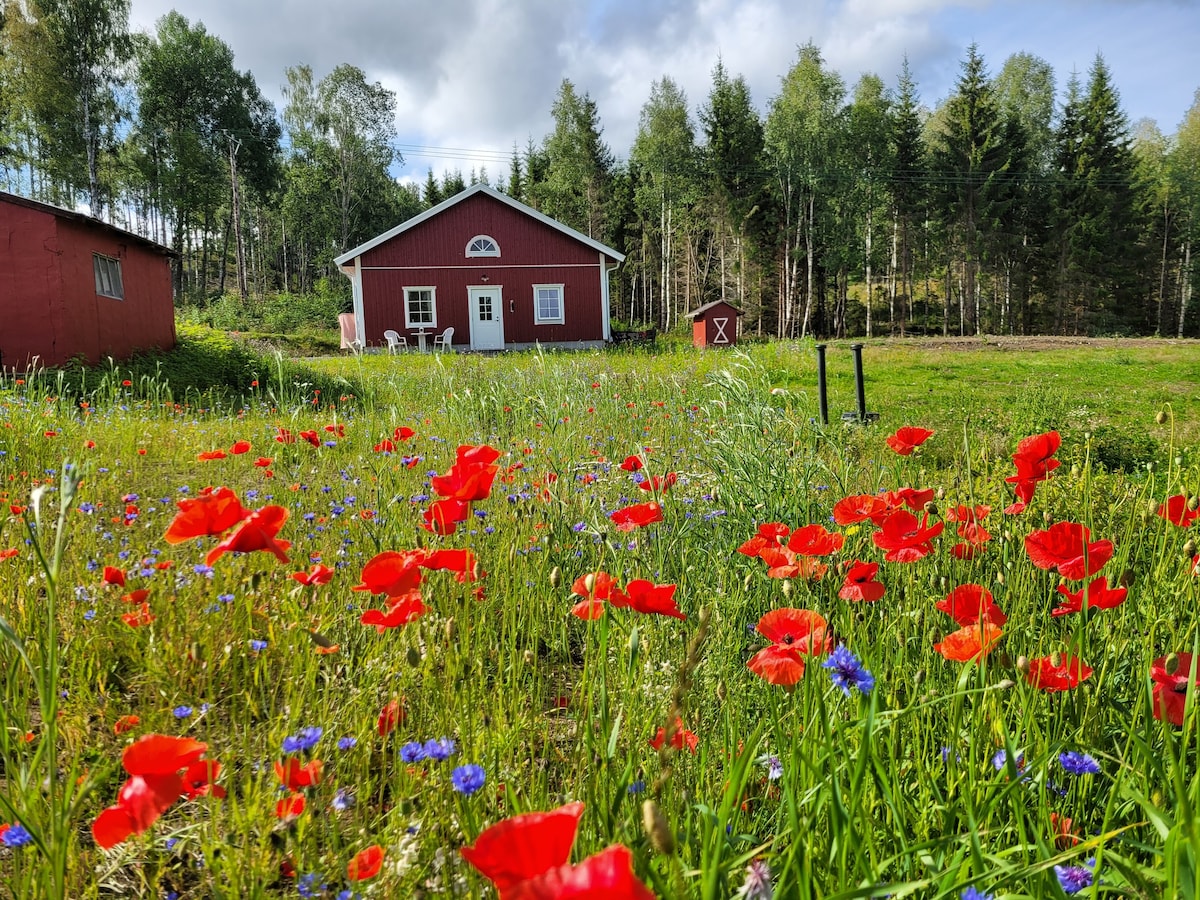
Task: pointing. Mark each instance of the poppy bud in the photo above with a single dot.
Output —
(1007, 535)
(941, 492)
(1193, 503)
(1056, 659)
(413, 656)
(999, 578)
(1189, 548)
(530, 657)
(722, 690)
(657, 829)
(1075, 470)
(1171, 664)
(1023, 664)
(786, 587)
(747, 581)
(1156, 798)
(589, 583)
(1005, 684)
(1151, 508)
(555, 577)
(1161, 417)
(450, 630)
(1150, 466)
(930, 508)
(919, 677)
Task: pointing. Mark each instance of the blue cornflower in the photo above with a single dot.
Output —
(342, 800)
(1000, 760)
(636, 788)
(1074, 879)
(15, 836)
(1078, 763)
(258, 646)
(305, 740)
(348, 894)
(181, 712)
(310, 885)
(468, 779)
(847, 672)
(439, 749)
(347, 743)
(973, 893)
(412, 752)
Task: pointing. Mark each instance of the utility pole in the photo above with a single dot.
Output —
(236, 211)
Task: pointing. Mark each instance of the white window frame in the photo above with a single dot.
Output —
(495, 251)
(538, 318)
(408, 320)
(107, 270)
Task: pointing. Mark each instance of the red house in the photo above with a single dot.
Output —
(715, 324)
(502, 275)
(73, 286)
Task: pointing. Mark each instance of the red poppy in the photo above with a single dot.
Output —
(1172, 675)
(914, 498)
(769, 534)
(1068, 547)
(649, 598)
(290, 807)
(392, 714)
(631, 463)
(208, 455)
(680, 737)
(904, 538)
(200, 780)
(139, 617)
(860, 583)
(9, 553)
(366, 864)
(637, 516)
(385, 446)
(392, 572)
(658, 485)
(972, 642)
(814, 540)
(1046, 676)
(263, 462)
(295, 775)
(126, 723)
(1097, 595)
(401, 611)
(1064, 835)
(312, 437)
(783, 563)
(607, 874)
(402, 433)
(1033, 458)
(974, 535)
(443, 516)
(209, 513)
(461, 562)
(339, 429)
(1175, 510)
(525, 846)
(793, 633)
(113, 575)
(908, 439)
(318, 574)
(471, 476)
(859, 508)
(969, 604)
(257, 532)
(240, 447)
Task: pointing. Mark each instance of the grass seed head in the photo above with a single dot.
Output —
(658, 830)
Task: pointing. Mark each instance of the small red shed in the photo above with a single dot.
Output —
(501, 274)
(715, 324)
(73, 286)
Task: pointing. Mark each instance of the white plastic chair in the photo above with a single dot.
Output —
(395, 340)
(444, 340)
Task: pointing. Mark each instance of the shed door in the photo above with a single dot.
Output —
(487, 328)
(721, 330)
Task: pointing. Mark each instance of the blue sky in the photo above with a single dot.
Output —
(474, 76)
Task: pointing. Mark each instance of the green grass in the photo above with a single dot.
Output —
(891, 794)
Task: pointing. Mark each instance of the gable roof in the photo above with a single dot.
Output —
(474, 189)
(707, 306)
(72, 216)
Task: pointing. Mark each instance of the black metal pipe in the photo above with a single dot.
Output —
(859, 389)
(822, 396)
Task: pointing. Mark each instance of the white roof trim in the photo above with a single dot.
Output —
(483, 188)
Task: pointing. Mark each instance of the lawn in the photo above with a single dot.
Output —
(311, 628)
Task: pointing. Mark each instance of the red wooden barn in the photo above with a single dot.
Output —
(715, 324)
(502, 275)
(73, 286)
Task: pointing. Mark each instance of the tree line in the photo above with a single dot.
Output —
(841, 211)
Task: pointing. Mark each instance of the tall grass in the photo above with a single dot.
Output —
(945, 776)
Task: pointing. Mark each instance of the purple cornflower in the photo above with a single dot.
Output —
(468, 779)
(847, 672)
(1074, 879)
(15, 835)
(774, 766)
(439, 749)
(305, 740)
(1078, 763)
(757, 885)
(347, 743)
(1000, 760)
(412, 752)
(973, 893)
(181, 712)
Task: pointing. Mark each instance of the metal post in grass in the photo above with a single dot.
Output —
(823, 398)
(861, 416)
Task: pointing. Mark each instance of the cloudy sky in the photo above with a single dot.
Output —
(472, 77)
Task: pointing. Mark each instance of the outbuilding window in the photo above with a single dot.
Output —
(548, 304)
(420, 307)
(482, 245)
(108, 276)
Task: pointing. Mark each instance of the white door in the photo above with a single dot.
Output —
(487, 327)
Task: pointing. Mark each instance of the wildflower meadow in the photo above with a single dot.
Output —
(601, 625)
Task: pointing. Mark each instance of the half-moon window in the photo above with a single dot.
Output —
(482, 245)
